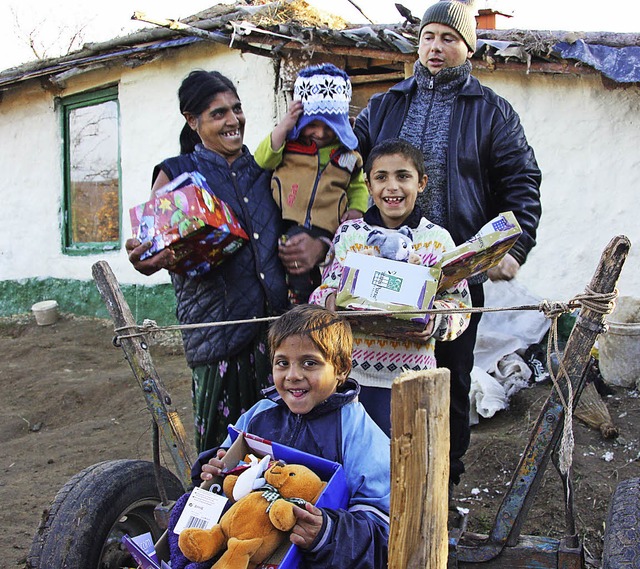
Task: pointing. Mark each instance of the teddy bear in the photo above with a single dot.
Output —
(254, 527)
(396, 245)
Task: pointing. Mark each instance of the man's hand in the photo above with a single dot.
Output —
(308, 525)
(165, 259)
(505, 270)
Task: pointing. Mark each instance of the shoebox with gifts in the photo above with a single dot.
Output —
(335, 494)
(186, 216)
(390, 290)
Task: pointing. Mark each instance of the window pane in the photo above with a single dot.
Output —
(94, 195)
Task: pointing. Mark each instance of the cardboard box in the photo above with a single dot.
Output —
(187, 217)
(380, 285)
(335, 495)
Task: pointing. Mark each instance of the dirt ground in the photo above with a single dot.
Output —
(70, 400)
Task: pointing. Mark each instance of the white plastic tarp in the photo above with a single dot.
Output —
(503, 336)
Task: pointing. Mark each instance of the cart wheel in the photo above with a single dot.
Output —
(94, 509)
(621, 548)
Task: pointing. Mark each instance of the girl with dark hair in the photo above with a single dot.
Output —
(230, 364)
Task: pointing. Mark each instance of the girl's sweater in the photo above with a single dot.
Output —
(378, 361)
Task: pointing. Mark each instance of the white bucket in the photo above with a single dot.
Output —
(619, 348)
(46, 312)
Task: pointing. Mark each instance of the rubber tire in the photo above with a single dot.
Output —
(86, 520)
(621, 548)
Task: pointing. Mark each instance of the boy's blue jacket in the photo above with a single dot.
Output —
(339, 430)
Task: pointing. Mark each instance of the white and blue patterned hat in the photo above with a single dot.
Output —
(325, 92)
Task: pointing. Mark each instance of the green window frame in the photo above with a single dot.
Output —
(92, 204)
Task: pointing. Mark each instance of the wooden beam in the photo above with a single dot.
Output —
(419, 470)
(527, 37)
(377, 77)
(554, 68)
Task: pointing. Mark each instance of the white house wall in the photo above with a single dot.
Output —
(150, 121)
(586, 138)
(587, 141)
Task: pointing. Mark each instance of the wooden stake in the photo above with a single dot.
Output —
(159, 403)
(419, 470)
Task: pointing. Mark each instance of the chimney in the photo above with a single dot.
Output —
(486, 18)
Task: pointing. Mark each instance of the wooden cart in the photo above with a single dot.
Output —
(92, 512)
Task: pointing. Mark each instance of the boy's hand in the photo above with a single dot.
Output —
(423, 337)
(214, 467)
(293, 114)
(351, 214)
(308, 525)
(285, 126)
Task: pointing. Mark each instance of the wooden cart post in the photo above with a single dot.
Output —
(159, 403)
(505, 546)
(419, 470)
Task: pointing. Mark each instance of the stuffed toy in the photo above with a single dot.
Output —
(395, 245)
(254, 527)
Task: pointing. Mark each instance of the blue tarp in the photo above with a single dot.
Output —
(622, 64)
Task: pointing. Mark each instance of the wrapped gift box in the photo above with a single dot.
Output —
(380, 285)
(483, 251)
(335, 494)
(187, 217)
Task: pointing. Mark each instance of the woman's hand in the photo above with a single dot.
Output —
(165, 259)
(308, 525)
(214, 467)
(300, 253)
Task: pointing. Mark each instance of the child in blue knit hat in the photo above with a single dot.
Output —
(317, 173)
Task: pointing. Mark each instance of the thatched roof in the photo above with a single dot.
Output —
(274, 29)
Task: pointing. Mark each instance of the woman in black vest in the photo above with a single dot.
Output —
(230, 364)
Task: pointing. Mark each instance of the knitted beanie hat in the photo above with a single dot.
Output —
(457, 14)
(325, 92)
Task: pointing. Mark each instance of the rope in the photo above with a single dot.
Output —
(149, 326)
(601, 303)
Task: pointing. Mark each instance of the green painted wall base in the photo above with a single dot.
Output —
(156, 302)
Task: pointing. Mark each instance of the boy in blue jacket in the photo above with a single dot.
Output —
(314, 407)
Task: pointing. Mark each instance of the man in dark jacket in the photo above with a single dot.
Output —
(479, 164)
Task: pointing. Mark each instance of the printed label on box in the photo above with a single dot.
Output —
(391, 282)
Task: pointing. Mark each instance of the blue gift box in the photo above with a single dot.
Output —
(335, 494)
